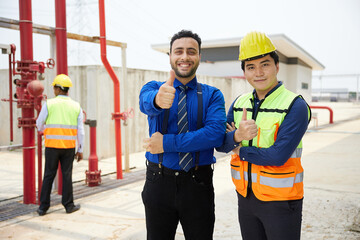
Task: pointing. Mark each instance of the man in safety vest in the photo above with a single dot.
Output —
(61, 120)
(264, 130)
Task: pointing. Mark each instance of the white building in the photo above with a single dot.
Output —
(220, 58)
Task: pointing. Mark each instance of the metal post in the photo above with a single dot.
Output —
(27, 120)
(61, 53)
(116, 115)
(93, 176)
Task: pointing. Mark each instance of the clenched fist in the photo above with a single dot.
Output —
(165, 97)
(154, 145)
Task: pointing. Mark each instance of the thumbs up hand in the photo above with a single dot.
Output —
(165, 97)
(247, 129)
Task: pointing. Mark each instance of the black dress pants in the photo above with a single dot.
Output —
(170, 196)
(274, 220)
(52, 158)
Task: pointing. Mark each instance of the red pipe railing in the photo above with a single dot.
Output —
(116, 115)
(331, 121)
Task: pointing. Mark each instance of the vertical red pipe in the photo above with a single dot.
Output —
(61, 53)
(115, 80)
(93, 176)
(27, 113)
(11, 99)
(93, 159)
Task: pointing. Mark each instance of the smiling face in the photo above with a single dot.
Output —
(262, 74)
(185, 58)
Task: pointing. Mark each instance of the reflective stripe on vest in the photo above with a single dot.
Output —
(297, 153)
(281, 182)
(269, 183)
(236, 175)
(61, 137)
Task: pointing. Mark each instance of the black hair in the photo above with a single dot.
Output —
(183, 34)
(64, 89)
(273, 55)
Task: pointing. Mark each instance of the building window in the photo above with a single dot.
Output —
(304, 86)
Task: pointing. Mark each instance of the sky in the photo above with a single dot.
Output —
(329, 30)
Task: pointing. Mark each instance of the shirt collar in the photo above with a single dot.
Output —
(271, 91)
(191, 84)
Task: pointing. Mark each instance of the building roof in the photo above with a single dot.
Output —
(282, 43)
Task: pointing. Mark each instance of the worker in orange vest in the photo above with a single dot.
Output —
(61, 121)
(265, 128)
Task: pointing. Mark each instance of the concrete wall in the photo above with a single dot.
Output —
(220, 68)
(93, 88)
(293, 76)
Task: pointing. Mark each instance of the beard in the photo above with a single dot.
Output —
(187, 74)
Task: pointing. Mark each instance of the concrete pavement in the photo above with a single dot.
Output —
(331, 159)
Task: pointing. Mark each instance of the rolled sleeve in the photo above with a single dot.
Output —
(80, 132)
(40, 121)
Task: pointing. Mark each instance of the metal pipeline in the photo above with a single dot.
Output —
(116, 115)
(93, 175)
(12, 46)
(61, 54)
(27, 120)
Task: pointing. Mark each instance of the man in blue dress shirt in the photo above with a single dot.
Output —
(187, 120)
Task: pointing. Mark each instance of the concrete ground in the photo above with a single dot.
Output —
(331, 159)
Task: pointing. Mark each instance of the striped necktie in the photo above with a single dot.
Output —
(185, 158)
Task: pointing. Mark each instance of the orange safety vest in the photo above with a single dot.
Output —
(268, 183)
(61, 122)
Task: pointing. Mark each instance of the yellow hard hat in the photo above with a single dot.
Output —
(255, 44)
(62, 80)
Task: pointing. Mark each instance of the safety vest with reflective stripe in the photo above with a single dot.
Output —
(269, 183)
(61, 122)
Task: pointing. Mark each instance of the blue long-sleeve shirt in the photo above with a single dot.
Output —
(288, 138)
(203, 140)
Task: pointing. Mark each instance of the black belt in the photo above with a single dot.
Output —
(172, 172)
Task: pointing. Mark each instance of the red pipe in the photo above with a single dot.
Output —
(11, 95)
(93, 176)
(61, 53)
(116, 115)
(330, 110)
(27, 113)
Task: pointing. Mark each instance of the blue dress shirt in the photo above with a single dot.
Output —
(288, 138)
(204, 140)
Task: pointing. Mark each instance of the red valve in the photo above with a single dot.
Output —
(50, 63)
